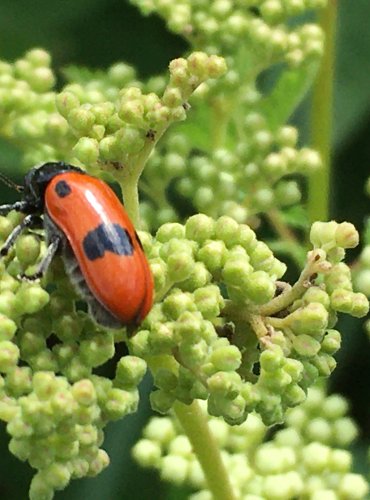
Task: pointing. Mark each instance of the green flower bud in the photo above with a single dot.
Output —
(272, 359)
(27, 249)
(344, 431)
(130, 140)
(341, 300)
(261, 257)
(168, 231)
(334, 407)
(44, 384)
(213, 254)
(319, 430)
(200, 228)
(165, 379)
(38, 57)
(340, 461)
(147, 453)
(306, 345)
(362, 282)
(346, 235)
(81, 119)
(172, 97)
(322, 234)
(294, 395)
(360, 305)
(100, 462)
(9, 355)
(132, 111)
(331, 342)
(31, 343)
(63, 404)
(161, 401)
(20, 448)
(259, 287)
(225, 384)
(309, 320)
(176, 303)
(193, 353)
(226, 358)
(324, 363)
(19, 380)
(120, 403)
(139, 343)
(68, 327)
(7, 328)
(159, 272)
(287, 193)
(162, 338)
(7, 303)
(39, 489)
(19, 429)
(130, 371)
(160, 430)
(121, 74)
(209, 301)
(31, 298)
(353, 486)
(174, 469)
(198, 278)
(97, 349)
(87, 150)
(83, 392)
(227, 230)
(43, 360)
(316, 457)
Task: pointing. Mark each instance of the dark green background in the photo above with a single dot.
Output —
(97, 33)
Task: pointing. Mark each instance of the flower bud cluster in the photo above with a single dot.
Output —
(54, 406)
(362, 270)
(99, 120)
(221, 308)
(256, 29)
(305, 459)
(241, 182)
(334, 238)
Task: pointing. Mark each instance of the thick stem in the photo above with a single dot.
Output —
(321, 118)
(195, 425)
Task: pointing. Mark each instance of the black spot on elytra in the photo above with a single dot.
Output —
(62, 189)
(107, 238)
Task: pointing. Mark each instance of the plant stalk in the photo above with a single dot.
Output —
(318, 204)
(195, 425)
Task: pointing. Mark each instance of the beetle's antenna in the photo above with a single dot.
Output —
(8, 182)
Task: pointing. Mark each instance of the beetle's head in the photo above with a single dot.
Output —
(37, 179)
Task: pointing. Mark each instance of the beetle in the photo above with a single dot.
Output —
(85, 222)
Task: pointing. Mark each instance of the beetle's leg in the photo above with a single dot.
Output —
(28, 221)
(45, 263)
(18, 206)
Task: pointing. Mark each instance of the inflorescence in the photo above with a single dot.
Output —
(225, 329)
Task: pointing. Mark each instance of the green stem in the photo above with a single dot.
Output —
(195, 425)
(321, 118)
(130, 176)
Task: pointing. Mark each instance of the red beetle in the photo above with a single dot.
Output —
(87, 224)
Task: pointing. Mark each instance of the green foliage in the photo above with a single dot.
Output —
(224, 329)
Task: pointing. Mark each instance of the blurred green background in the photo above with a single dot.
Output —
(97, 33)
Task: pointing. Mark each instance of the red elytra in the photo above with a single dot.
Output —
(122, 283)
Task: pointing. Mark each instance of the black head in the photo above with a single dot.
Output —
(37, 179)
